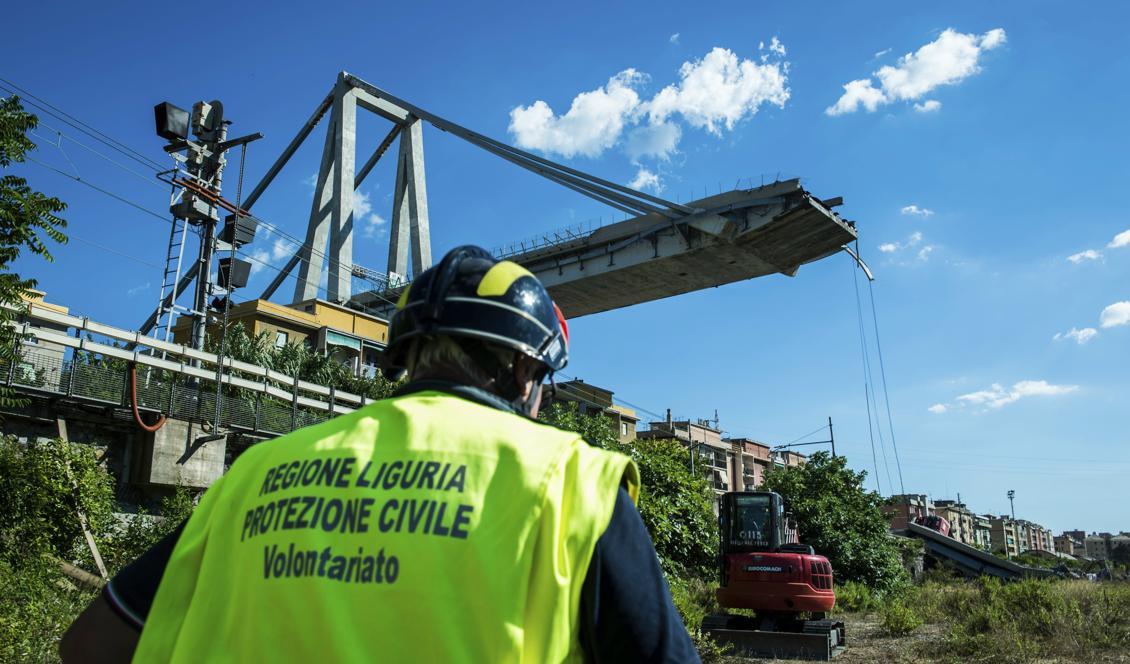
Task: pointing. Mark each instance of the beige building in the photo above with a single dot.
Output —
(1068, 544)
(982, 527)
(352, 337)
(962, 521)
(593, 400)
(1007, 536)
(41, 363)
(734, 464)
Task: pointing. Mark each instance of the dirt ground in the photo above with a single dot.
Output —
(868, 644)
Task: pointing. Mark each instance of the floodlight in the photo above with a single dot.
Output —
(172, 121)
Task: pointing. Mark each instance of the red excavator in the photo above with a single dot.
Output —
(786, 585)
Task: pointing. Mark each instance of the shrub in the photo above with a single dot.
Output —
(899, 619)
(854, 597)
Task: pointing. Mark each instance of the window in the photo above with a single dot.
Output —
(281, 339)
(623, 428)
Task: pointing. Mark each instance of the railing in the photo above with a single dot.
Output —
(61, 358)
(549, 239)
(103, 381)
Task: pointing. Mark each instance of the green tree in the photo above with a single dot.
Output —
(24, 215)
(840, 519)
(676, 506)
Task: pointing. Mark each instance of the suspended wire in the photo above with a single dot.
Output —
(593, 395)
(71, 120)
(878, 424)
(71, 236)
(271, 228)
(871, 385)
(883, 375)
(863, 355)
(107, 192)
(814, 431)
(59, 144)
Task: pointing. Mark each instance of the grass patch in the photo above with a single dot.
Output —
(987, 620)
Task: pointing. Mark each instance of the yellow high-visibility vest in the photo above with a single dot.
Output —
(424, 528)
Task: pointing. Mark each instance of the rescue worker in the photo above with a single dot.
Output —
(442, 524)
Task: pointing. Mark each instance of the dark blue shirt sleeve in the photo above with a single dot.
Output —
(626, 610)
(130, 593)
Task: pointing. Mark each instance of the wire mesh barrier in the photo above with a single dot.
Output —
(106, 380)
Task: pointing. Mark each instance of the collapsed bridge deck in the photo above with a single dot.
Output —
(737, 235)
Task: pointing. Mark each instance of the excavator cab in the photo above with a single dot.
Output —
(761, 564)
(756, 521)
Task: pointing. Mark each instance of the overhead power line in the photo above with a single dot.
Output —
(71, 120)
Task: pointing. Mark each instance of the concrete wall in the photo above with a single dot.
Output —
(173, 455)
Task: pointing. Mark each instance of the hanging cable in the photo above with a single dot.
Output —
(151, 428)
(883, 375)
(863, 355)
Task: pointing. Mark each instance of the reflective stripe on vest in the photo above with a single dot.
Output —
(425, 528)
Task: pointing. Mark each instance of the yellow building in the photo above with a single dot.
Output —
(352, 337)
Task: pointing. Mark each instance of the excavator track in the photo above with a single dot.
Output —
(815, 640)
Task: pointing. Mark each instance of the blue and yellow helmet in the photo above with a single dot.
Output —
(473, 295)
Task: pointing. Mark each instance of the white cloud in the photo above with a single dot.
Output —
(1120, 240)
(949, 59)
(260, 258)
(997, 397)
(645, 179)
(912, 240)
(856, 94)
(916, 211)
(137, 289)
(361, 204)
(1088, 255)
(719, 90)
(714, 93)
(993, 38)
(674, 39)
(924, 252)
(594, 122)
(882, 53)
(776, 47)
(311, 181)
(938, 408)
(373, 225)
(1079, 336)
(928, 106)
(653, 140)
(282, 248)
(1115, 315)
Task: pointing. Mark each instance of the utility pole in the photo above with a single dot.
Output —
(831, 437)
(1011, 504)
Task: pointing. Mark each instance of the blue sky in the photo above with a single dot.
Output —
(982, 146)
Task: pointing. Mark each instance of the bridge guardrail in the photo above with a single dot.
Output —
(256, 398)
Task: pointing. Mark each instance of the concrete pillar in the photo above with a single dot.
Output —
(410, 226)
(317, 231)
(339, 284)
